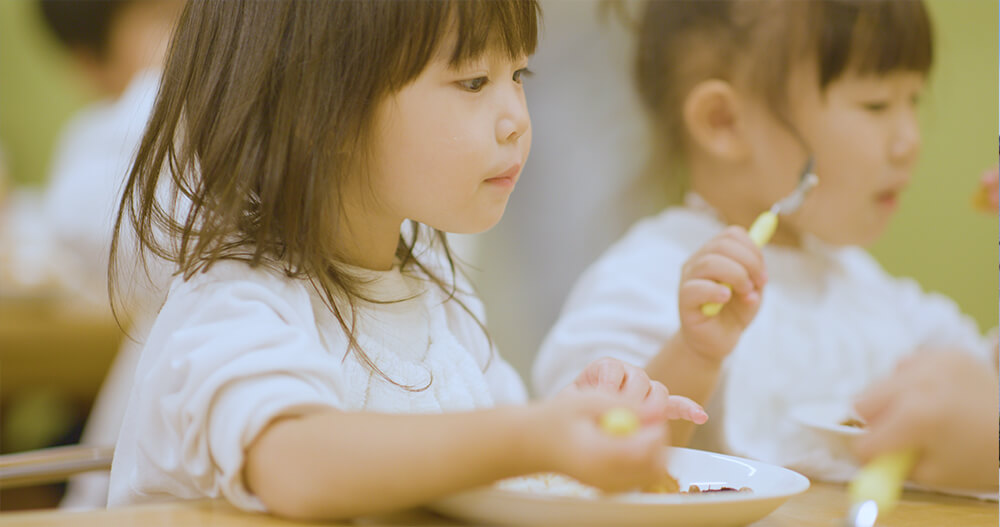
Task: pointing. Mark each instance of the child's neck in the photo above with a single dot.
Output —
(727, 191)
(367, 244)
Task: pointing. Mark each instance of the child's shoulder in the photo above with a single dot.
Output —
(238, 278)
(674, 231)
(858, 263)
(651, 251)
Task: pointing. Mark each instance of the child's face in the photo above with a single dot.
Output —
(864, 134)
(449, 147)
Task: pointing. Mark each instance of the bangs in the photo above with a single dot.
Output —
(872, 37)
(510, 27)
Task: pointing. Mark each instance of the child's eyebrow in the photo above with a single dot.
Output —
(487, 57)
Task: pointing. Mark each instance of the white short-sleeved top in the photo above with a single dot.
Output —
(235, 347)
(831, 322)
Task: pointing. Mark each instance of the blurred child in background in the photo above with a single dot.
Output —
(744, 94)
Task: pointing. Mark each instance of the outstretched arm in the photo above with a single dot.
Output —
(335, 464)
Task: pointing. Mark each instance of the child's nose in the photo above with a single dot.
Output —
(514, 120)
(906, 139)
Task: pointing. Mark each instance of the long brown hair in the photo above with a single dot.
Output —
(265, 108)
(756, 43)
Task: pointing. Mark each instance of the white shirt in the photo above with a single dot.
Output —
(831, 322)
(236, 347)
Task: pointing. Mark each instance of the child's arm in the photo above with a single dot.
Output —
(335, 464)
(689, 363)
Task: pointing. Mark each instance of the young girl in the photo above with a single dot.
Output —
(744, 94)
(289, 143)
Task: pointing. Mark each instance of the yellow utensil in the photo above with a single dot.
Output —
(877, 486)
(764, 226)
(619, 422)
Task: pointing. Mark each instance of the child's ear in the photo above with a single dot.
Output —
(712, 117)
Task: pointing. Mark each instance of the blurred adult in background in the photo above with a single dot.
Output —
(120, 46)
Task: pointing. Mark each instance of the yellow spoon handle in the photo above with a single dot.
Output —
(763, 228)
(619, 421)
(881, 480)
(760, 232)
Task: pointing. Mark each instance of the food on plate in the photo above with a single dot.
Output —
(549, 483)
(669, 485)
(621, 422)
(560, 485)
(853, 422)
(694, 489)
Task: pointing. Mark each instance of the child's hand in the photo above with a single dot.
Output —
(573, 442)
(986, 196)
(729, 258)
(943, 403)
(616, 377)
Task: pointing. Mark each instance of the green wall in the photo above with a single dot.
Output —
(39, 90)
(936, 238)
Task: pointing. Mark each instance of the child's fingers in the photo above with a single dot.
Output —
(736, 245)
(610, 375)
(654, 408)
(893, 431)
(721, 268)
(660, 405)
(874, 401)
(636, 386)
(680, 407)
(696, 292)
(606, 374)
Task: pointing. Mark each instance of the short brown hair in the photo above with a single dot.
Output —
(756, 43)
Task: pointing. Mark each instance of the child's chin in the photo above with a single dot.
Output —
(861, 239)
(471, 226)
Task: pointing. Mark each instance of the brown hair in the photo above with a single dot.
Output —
(267, 106)
(756, 43)
(82, 23)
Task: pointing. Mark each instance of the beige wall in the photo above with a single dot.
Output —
(937, 238)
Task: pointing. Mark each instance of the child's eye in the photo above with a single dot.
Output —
(875, 106)
(473, 85)
(523, 72)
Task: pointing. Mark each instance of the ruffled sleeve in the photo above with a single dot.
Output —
(229, 353)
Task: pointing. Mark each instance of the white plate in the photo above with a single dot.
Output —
(827, 417)
(771, 485)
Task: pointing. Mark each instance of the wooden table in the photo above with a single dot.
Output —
(56, 348)
(55, 342)
(823, 505)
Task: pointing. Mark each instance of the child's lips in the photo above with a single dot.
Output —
(507, 177)
(888, 198)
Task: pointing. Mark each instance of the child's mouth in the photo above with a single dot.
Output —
(888, 198)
